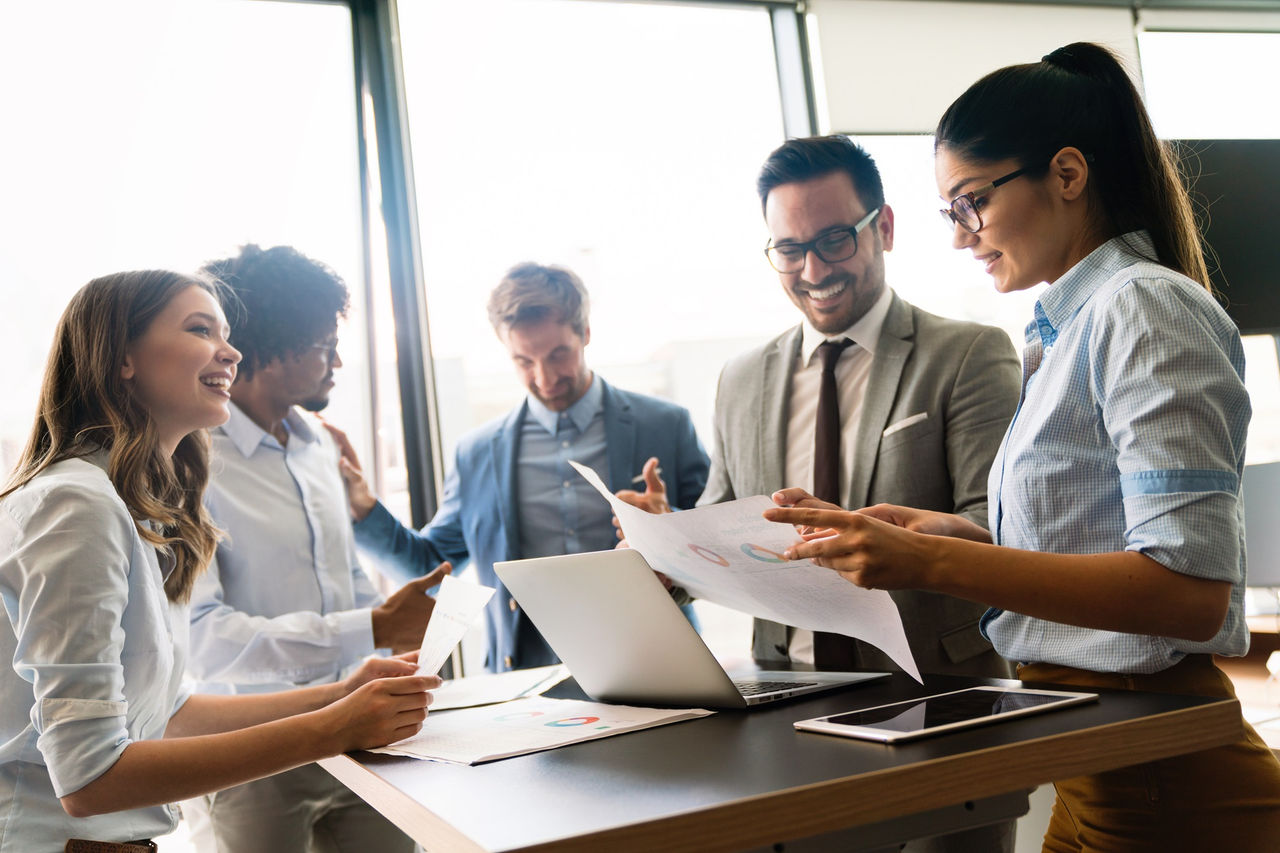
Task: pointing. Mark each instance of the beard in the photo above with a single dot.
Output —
(315, 404)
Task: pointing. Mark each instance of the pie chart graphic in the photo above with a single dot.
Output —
(572, 721)
(517, 715)
(761, 553)
(708, 555)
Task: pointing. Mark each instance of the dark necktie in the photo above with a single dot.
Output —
(830, 651)
(826, 444)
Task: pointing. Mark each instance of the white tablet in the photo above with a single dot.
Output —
(942, 712)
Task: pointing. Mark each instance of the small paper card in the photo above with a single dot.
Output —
(458, 605)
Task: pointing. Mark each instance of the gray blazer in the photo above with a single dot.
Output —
(965, 378)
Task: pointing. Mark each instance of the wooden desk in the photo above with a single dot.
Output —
(739, 780)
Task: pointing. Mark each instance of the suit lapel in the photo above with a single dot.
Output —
(619, 437)
(775, 405)
(897, 338)
(504, 448)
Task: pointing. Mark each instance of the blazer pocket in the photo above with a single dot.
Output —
(908, 430)
(904, 423)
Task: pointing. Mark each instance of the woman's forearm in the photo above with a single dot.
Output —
(205, 714)
(173, 768)
(151, 772)
(1121, 591)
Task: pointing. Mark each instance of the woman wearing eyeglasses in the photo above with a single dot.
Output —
(1115, 557)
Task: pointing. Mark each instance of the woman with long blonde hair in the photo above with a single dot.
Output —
(102, 533)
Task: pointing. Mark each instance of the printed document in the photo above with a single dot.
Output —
(491, 688)
(474, 735)
(730, 555)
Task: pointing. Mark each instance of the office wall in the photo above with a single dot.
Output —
(893, 66)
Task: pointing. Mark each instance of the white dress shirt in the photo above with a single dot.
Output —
(852, 369)
(95, 653)
(285, 601)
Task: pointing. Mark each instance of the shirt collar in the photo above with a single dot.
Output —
(581, 413)
(246, 435)
(1066, 296)
(865, 332)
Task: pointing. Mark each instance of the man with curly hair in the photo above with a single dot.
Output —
(285, 602)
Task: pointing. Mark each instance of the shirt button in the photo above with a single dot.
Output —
(568, 533)
(564, 444)
(507, 660)
(511, 603)
(565, 484)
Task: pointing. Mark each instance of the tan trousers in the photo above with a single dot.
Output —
(1226, 798)
(304, 810)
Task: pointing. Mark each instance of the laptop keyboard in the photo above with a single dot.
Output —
(755, 688)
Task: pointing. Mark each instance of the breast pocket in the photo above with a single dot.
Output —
(907, 430)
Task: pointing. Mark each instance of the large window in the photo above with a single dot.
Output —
(158, 134)
(621, 140)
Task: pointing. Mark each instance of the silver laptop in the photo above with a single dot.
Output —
(608, 617)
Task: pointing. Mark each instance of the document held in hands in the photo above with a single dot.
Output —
(730, 555)
(458, 605)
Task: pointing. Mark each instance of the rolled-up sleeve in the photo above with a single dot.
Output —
(70, 586)
(1177, 412)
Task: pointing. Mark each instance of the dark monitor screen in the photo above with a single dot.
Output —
(1235, 189)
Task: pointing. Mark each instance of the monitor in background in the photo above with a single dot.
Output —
(1261, 487)
(1235, 187)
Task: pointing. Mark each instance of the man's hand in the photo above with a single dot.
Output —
(400, 622)
(653, 499)
(359, 496)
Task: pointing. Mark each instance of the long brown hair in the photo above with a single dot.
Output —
(1080, 96)
(86, 406)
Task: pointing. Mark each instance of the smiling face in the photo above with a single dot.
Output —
(181, 368)
(1034, 228)
(831, 296)
(549, 360)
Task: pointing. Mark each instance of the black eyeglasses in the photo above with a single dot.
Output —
(329, 348)
(963, 210)
(837, 245)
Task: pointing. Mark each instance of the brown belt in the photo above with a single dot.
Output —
(79, 845)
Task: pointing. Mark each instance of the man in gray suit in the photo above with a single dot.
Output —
(923, 400)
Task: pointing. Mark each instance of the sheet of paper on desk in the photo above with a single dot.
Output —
(458, 605)
(475, 735)
(494, 687)
(730, 555)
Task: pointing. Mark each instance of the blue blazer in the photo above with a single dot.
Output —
(478, 518)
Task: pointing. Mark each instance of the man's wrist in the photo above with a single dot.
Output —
(362, 505)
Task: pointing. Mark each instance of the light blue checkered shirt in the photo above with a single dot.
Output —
(1129, 436)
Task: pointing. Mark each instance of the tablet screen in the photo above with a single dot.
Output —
(941, 712)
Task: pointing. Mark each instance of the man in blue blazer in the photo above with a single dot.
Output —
(511, 493)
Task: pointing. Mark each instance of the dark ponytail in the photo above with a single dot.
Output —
(1080, 96)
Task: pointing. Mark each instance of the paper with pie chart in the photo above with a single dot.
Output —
(475, 735)
(730, 555)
